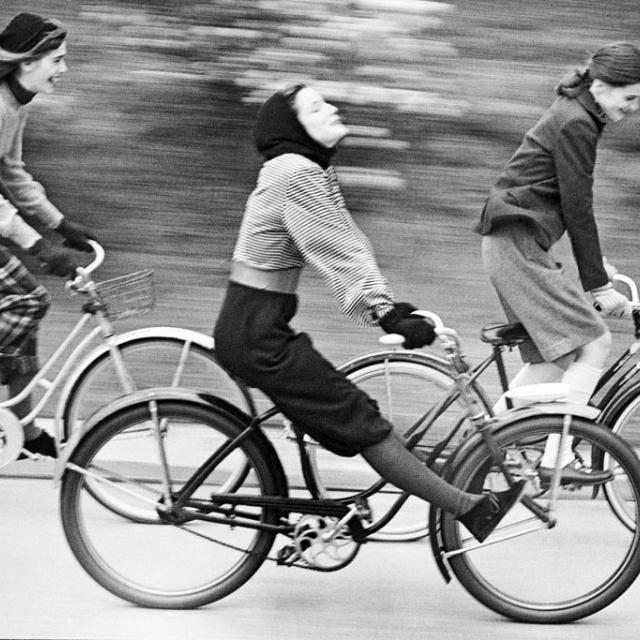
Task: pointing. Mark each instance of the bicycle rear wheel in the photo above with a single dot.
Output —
(532, 573)
(149, 362)
(167, 562)
(406, 387)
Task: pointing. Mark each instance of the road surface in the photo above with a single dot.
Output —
(391, 590)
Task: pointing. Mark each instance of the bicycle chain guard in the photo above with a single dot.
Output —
(11, 437)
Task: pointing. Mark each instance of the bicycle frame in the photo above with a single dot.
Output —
(79, 352)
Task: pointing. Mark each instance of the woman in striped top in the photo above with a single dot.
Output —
(296, 216)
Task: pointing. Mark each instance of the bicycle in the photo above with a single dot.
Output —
(408, 386)
(93, 374)
(175, 453)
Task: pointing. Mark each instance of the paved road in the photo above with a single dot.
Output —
(390, 591)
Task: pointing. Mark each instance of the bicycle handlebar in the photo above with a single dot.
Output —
(444, 333)
(83, 273)
(631, 285)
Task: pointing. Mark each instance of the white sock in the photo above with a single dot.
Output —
(581, 378)
(530, 374)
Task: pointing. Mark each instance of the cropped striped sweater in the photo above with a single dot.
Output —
(295, 216)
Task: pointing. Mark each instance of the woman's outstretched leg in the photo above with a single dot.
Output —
(479, 513)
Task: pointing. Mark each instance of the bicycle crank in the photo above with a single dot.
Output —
(320, 542)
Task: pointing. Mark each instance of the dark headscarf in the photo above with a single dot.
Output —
(27, 37)
(279, 131)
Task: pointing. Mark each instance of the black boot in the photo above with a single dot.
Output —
(486, 515)
(44, 445)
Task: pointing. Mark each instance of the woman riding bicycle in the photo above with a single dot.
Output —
(32, 60)
(546, 190)
(295, 216)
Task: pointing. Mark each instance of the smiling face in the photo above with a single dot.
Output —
(42, 75)
(319, 118)
(616, 102)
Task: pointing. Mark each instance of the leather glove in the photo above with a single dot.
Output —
(417, 332)
(58, 261)
(610, 302)
(75, 235)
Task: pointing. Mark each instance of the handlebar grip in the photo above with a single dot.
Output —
(630, 284)
(84, 272)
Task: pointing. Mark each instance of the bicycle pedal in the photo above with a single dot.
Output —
(287, 555)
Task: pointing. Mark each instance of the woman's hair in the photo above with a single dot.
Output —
(26, 38)
(290, 92)
(617, 64)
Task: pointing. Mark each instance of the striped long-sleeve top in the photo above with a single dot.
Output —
(296, 215)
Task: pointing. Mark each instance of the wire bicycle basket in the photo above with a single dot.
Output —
(128, 295)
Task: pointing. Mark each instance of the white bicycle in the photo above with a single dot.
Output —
(100, 364)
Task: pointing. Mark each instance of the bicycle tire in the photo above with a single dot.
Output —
(623, 418)
(555, 575)
(151, 362)
(160, 565)
(405, 384)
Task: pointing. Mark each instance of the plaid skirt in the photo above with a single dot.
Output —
(255, 343)
(23, 303)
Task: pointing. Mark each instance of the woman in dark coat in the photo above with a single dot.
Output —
(546, 190)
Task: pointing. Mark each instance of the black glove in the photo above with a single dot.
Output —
(75, 235)
(58, 261)
(417, 332)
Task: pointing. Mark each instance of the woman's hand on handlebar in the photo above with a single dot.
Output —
(417, 332)
(56, 260)
(610, 302)
(76, 235)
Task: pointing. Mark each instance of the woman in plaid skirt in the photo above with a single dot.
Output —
(32, 60)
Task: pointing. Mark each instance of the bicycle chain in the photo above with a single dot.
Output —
(249, 553)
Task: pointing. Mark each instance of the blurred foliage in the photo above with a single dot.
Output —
(148, 137)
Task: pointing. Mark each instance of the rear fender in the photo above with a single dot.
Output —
(121, 339)
(170, 394)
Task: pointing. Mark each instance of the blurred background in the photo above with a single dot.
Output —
(148, 138)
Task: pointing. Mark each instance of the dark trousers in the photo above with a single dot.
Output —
(255, 343)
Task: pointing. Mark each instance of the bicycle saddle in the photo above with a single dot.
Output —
(500, 334)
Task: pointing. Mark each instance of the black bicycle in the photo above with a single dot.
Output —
(207, 527)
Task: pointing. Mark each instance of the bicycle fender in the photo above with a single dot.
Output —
(406, 355)
(120, 339)
(618, 403)
(142, 397)
(512, 416)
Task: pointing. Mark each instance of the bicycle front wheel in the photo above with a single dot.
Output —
(406, 386)
(148, 362)
(626, 424)
(178, 561)
(532, 572)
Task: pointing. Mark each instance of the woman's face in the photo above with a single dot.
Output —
(319, 118)
(616, 102)
(42, 75)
